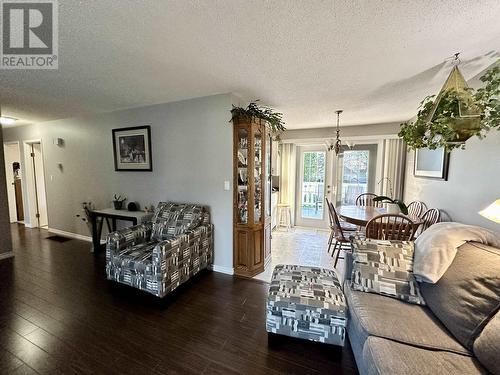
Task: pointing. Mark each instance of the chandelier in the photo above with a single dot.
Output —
(336, 146)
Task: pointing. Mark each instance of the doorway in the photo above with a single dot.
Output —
(13, 174)
(312, 174)
(35, 184)
(322, 174)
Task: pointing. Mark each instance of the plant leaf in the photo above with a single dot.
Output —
(402, 206)
(382, 198)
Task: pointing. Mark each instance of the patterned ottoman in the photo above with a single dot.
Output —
(308, 303)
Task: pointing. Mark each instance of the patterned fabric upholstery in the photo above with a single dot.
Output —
(127, 237)
(133, 265)
(158, 267)
(385, 267)
(308, 303)
(163, 211)
(172, 219)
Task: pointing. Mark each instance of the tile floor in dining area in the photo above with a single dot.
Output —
(299, 245)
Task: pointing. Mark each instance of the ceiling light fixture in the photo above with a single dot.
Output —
(350, 144)
(338, 143)
(7, 120)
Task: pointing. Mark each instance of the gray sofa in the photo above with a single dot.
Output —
(458, 332)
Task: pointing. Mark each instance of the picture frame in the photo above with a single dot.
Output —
(432, 164)
(132, 149)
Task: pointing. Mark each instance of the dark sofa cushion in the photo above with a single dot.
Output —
(487, 345)
(467, 296)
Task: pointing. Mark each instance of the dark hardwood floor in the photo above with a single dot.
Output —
(59, 315)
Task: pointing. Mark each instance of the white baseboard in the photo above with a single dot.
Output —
(76, 236)
(9, 254)
(221, 269)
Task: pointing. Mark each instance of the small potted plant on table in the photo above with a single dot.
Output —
(118, 201)
(394, 206)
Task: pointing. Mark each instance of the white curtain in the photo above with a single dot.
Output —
(394, 168)
(288, 152)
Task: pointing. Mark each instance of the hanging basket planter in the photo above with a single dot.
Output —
(456, 114)
(465, 128)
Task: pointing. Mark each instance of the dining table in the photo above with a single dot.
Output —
(361, 215)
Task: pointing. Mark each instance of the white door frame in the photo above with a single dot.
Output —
(31, 194)
(331, 178)
(9, 178)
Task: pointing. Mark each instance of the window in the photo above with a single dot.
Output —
(354, 175)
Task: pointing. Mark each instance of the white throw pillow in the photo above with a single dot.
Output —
(436, 248)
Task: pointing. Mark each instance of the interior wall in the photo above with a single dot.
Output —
(5, 237)
(473, 179)
(473, 182)
(372, 130)
(192, 157)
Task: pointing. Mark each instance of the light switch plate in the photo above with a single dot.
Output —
(227, 185)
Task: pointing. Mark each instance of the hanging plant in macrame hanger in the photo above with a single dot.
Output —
(456, 114)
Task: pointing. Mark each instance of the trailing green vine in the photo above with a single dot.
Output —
(446, 128)
(253, 110)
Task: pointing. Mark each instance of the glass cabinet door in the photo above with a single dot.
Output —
(268, 176)
(242, 198)
(257, 176)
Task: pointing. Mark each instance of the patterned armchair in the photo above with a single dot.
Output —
(159, 255)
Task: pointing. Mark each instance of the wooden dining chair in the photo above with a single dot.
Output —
(390, 227)
(430, 217)
(332, 213)
(339, 232)
(366, 199)
(416, 208)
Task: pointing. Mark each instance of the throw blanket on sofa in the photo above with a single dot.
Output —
(436, 248)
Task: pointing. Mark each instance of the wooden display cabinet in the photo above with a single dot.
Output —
(252, 197)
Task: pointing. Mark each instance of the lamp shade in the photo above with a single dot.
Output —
(492, 212)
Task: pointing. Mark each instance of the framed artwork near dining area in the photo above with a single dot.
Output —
(432, 163)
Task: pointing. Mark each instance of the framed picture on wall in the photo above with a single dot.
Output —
(132, 149)
(432, 163)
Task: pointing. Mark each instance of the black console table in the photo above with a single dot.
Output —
(107, 214)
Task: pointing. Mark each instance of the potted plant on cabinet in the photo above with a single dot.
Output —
(254, 111)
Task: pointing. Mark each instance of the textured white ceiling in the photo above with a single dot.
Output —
(375, 59)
